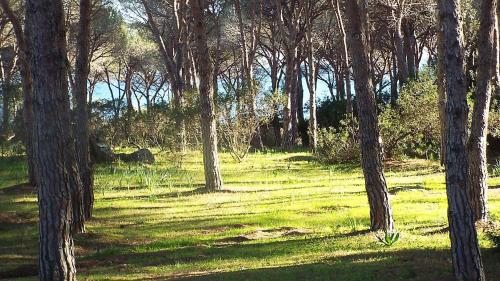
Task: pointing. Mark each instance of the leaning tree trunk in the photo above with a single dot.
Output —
(376, 187)
(25, 71)
(464, 245)
(478, 170)
(213, 179)
(54, 151)
(81, 110)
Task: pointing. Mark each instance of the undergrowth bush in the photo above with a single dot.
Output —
(339, 145)
(492, 231)
(411, 126)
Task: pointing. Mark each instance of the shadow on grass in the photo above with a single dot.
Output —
(19, 189)
(415, 265)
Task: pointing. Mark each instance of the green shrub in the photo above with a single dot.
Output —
(339, 145)
(411, 126)
(390, 238)
(495, 171)
(492, 231)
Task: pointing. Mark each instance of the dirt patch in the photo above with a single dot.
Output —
(395, 190)
(10, 219)
(267, 234)
(334, 208)
(221, 229)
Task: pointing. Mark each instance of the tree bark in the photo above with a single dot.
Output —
(441, 86)
(466, 256)
(371, 147)
(478, 170)
(213, 179)
(26, 78)
(82, 70)
(54, 152)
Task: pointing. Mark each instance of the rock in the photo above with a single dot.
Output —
(100, 152)
(142, 155)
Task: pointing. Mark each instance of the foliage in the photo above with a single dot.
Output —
(494, 120)
(339, 145)
(496, 168)
(390, 238)
(492, 231)
(154, 128)
(411, 126)
(240, 115)
(331, 113)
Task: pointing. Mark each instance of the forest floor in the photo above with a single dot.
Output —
(281, 216)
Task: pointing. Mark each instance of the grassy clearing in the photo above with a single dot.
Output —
(282, 217)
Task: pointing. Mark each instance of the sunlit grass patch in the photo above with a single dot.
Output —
(281, 216)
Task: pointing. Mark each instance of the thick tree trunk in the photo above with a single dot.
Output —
(25, 71)
(464, 244)
(478, 170)
(81, 110)
(371, 147)
(213, 179)
(290, 109)
(56, 169)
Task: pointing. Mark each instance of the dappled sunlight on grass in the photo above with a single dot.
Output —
(281, 216)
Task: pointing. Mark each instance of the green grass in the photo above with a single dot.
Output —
(281, 217)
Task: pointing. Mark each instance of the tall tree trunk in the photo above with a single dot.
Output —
(464, 245)
(345, 57)
(290, 109)
(275, 88)
(394, 79)
(371, 148)
(81, 110)
(301, 121)
(173, 65)
(340, 93)
(409, 48)
(26, 78)
(213, 179)
(6, 98)
(313, 120)
(54, 152)
(399, 46)
(441, 86)
(478, 170)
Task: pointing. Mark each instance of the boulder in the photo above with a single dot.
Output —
(142, 155)
(100, 152)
